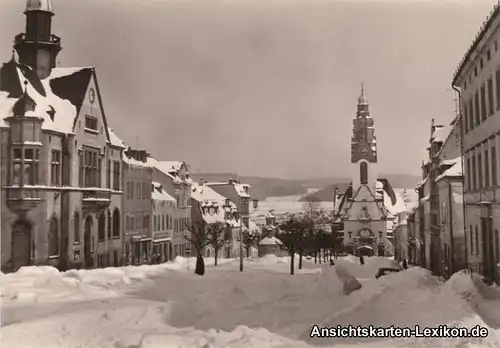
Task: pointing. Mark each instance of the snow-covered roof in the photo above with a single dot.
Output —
(159, 194)
(270, 241)
(421, 183)
(114, 140)
(209, 198)
(57, 73)
(241, 189)
(454, 171)
(441, 133)
(65, 112)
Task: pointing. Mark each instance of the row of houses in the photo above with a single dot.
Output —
(73, 194)
(457, 222)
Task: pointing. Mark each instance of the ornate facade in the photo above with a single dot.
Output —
(61, 186)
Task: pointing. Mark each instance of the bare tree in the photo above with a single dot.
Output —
(313, 209)
(250, 239)
(199, 240)
(291, 234)
(217, 237)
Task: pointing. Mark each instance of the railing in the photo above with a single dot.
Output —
(96, 194)
(52, 39)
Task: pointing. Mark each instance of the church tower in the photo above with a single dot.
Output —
(363, 147)
(38, 47)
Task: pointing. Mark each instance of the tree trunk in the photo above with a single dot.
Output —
(300, 259)
(292, 263)
(248, 251)
(319, 255)
(216, 253)
(324, 255)
(315, 256)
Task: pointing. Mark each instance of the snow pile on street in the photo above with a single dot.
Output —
(44, 284)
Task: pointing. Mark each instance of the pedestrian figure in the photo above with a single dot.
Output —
(331, 262)
(361, 260)
(405, 264)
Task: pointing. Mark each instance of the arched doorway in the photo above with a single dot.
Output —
(21, 242)
(87, 242)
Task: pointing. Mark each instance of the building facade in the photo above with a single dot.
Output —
(478, 81)
(164, 207)
(137, 207)
(174, 178)
(362, 211)
(56, 152)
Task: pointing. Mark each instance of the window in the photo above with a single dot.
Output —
(131, 190)
(481, 64)
(76, 228)
(497, 246)
(110, 230)
(53, 238)
(471, 115)
(466, 118)
(163, 222)
(92, 168)
(154, 222)
(108, 175)
(138, 221)
(484, 113)
(476, 109)
(81, 170)
(144, 190)
(132, 222)
(497, 85)
(25, 172)
(493, 166)
(116, 176)
(486, 169)
(475, 71)
(474, 173)
(469, 186)
(55, 169)
(471, 240)
(480, 170)
(146, 221)
(90, 123)
(477, 241)
(116, 223)
(101, 228)
(491, 102)
(363, 172)
(138, 189)
(488, 55)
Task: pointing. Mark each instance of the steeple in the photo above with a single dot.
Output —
(38, 47)
(363, 141)
(362, 99)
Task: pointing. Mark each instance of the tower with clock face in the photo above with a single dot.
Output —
(363, 146)
(38, 47)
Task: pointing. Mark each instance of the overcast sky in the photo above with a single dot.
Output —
(266, 88)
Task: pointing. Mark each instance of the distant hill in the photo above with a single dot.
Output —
(396, 181)
(276, 187)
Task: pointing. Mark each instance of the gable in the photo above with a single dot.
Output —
(72, 87)
(91, 119)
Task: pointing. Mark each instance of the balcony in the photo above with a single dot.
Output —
(23, 199)
(52, 39)
(95, 200)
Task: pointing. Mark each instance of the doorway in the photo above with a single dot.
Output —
(87, 243)
(21, 245)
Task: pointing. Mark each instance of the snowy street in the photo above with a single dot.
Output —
(167, 306)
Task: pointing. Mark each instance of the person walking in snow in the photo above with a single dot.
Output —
(361, 260)
(331, 262)
(405, 264)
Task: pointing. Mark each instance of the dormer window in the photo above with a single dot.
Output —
(211, 211)
(91, 124)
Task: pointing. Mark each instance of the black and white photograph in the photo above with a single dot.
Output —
(249, 173)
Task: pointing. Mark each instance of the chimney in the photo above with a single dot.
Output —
(201, 182)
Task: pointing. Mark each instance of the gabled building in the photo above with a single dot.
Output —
(61, 187)
(210, 207)
(174, 178)
(477, 79)
(137, 207)
(164, 206)
(364, 213)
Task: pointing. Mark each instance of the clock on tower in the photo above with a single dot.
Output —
(363, 151)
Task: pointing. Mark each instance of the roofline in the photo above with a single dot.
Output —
(473, 47)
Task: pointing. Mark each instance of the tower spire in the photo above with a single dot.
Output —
(37, 47)
(362, 89)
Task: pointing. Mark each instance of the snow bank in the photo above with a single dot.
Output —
(42, 284)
